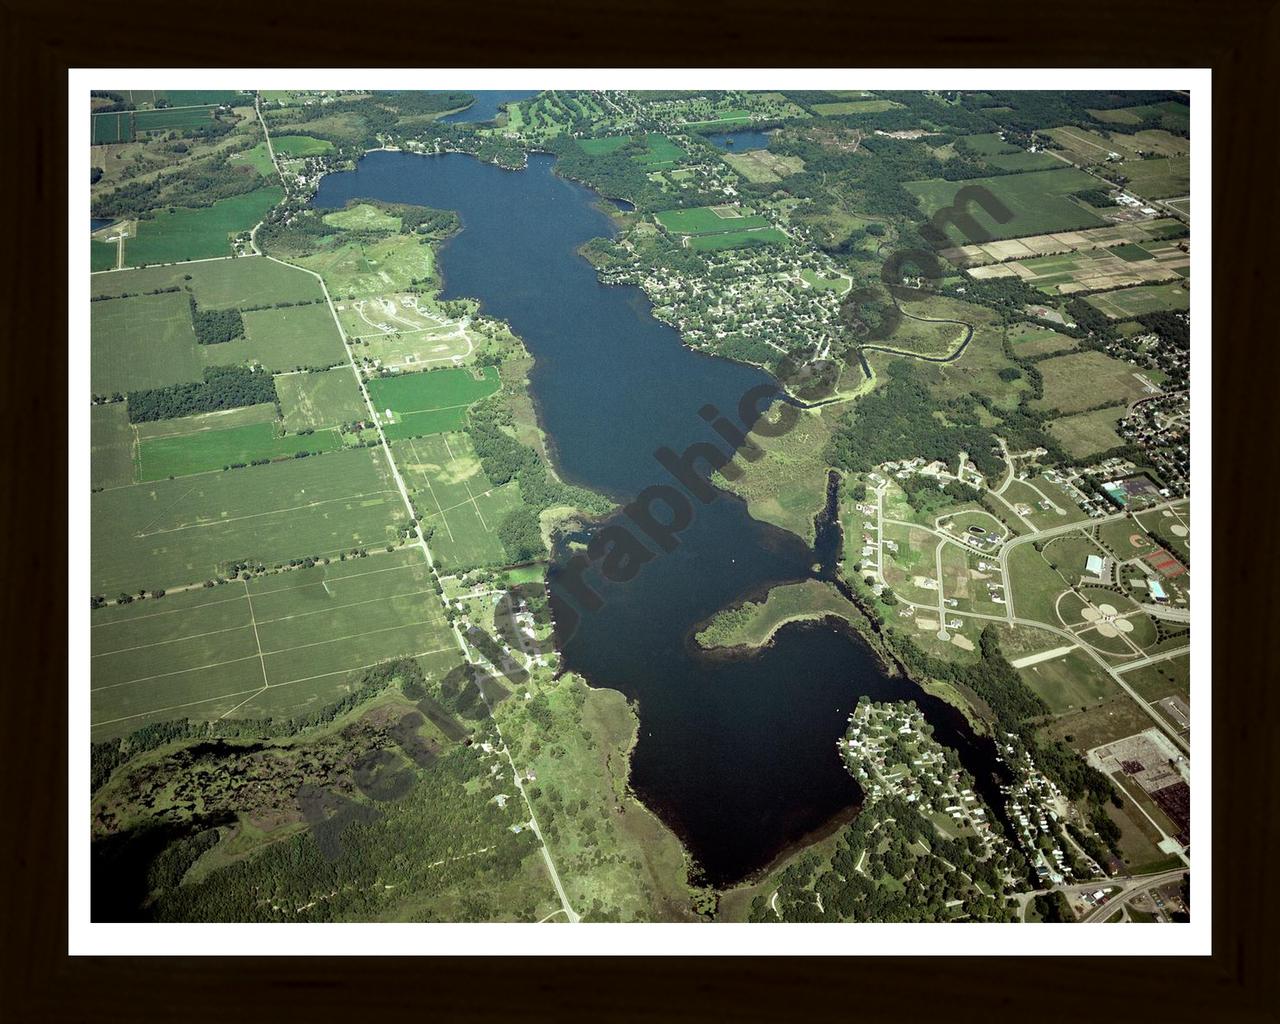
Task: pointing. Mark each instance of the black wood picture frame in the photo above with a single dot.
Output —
(1238, 39)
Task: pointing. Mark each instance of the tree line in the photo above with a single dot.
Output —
(223, 387)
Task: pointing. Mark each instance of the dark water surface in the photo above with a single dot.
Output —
(736, 753)
(485, 108)
(740, 141)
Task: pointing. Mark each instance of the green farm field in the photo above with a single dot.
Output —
(1081, 380)
(108, 129)
(986, 144)
(1158, 178)
(722, 117)
(363, 217)
(853, 107)
(285, 339)
(705, 220)
(432, 402)
(218, 284)
(279, 644)
(168, 533)
(171, 118)
(324, 399)
(256, 157)
(603, 146)
(145, 341)
(662, 152)
(102, 255)
(212, 450)
(1021, 161)
(193, 97)
(111, 446)
(300, 145)
(1034, 340)
(198, 234)
(1037, 201)
(456, 500)
(1131, 302)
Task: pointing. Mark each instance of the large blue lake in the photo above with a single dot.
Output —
(736, 754)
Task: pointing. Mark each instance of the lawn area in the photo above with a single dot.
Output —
(1125, 538)
(813, 279)
(171, 532)
(1106, 722)
(1131, 302)
(1035, 586)
(202, 653)
(1081, 380)
(431, 402)
(1089, 433)
(456, 501)
(1036, 200)
(145, 341)
(1069, 682)
(754, 624)
(709, 220)
(110, 446)
(198, 234)
(212, 450)
(1163, 679)
(219, 284)
(328, 398)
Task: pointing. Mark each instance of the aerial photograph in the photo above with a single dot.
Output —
(623, 506)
